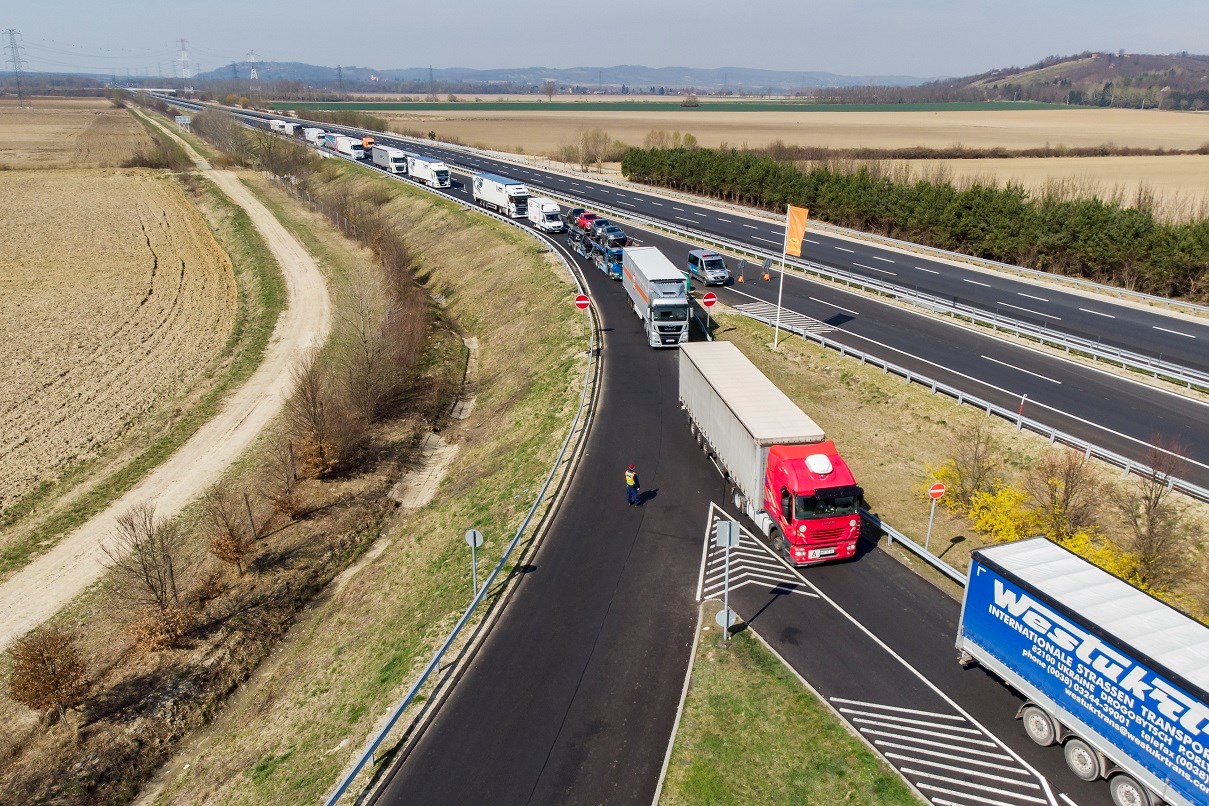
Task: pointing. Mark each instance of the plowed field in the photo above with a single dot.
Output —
(67, 133)
(116, 301)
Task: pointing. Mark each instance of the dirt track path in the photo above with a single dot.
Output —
(48, 583)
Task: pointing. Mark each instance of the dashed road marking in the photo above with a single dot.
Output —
(1175, 332)
(1021, 369)
(1098, 313)
(1028, 310)
(874, 268)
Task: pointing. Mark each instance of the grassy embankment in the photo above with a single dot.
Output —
(752, 733)
(54, 509)
(288, 735)
(658, 106)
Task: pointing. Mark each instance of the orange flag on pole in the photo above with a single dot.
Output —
(795, 230)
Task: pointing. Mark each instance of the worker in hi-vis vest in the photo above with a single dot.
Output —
(632, 488)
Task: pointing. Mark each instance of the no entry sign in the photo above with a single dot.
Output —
(710, 299)
(581, 302)
(936, 491)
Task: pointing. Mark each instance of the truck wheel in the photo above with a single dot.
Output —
(1038, 726)
(1081, 759)
(778, 543)
(739, 502)
(1126, 791)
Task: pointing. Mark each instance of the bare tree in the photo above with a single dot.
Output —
(47, 671)
(976, 461)
(310, 416)
(1161, 532)
(280, 481)
(228, 521)
(592, 146)
(147, 553)
(690, 100)
(549, 88)
(1064, 493)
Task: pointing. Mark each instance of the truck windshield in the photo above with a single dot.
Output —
(670, 313)
(827, 503)
(442, 176)
(553, 217)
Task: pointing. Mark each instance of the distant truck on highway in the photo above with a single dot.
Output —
(1112, 674)
(431, 172)
(786, 475)
(659, 294)
(314, 136)
(283, 127)
(545, 215)
(507, 196)
(389, 159)
(343, 144)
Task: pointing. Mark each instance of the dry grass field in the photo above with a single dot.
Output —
(117, 299)
(69, 132)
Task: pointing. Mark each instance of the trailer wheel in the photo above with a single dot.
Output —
(1038, 726)
(778, 543)
(1081, 759)
(1126, 791)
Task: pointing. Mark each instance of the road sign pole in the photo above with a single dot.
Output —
(726, 592)
(726, 538)
(474, 539)
(931, 517)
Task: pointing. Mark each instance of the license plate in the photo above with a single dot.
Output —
(815, 554)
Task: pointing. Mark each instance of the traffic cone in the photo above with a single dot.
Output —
(766, 277)
(740, 279)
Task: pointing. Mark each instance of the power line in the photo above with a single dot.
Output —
(14, 58)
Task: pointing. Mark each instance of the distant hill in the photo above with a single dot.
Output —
(636, 78)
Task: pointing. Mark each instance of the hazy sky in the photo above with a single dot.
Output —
(853, 37)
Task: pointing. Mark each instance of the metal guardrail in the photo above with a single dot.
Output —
(893, 536)
(1021, 422)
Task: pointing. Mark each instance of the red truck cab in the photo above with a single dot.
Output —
(812, 498)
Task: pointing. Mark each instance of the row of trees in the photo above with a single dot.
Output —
(1137, 529)
(1088, 237)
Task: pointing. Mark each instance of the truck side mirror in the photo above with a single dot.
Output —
(786, 505)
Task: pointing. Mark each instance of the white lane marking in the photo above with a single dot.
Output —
(941, 745)
(925, 732)
(833, 305)
(1176, 332)
(1030, 296)
(929, 271)
(674, 207)
(948, 754)
(906, 720)
(751, 226)
(971, 784)
(682, 218)
(842, 249)
(1025, 371)
(765, 240)
(657, 204)
(1098, 313)
(871, 268)
(885, 259)
(727, 220)
(703, 215)
(1027, 310)
(1067, 800)
(975, 282)
(602, 190)
(951, 768)
(627, 204)
(808, 240)
(897, 708)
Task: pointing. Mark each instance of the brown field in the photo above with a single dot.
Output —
(117, 299)
(72, 132)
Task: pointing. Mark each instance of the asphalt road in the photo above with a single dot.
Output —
(571, 698)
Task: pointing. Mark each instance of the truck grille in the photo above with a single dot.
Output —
(828, 537)
(669, 328)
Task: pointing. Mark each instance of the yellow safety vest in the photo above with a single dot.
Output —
(630, 478)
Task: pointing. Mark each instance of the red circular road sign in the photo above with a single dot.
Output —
(936, 491)
(581, 302)
(710, 299)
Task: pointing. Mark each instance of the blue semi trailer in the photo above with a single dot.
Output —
(1110, 673)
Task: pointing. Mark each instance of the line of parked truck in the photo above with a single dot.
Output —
(432, 172)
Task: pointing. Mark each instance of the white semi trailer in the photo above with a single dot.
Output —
(431, 172)
(390, 159)
(343, 144)
(659, 294)
(313, 135)
(499, 193)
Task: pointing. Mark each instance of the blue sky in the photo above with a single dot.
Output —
(853, 37)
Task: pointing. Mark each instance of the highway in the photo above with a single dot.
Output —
(572, 695)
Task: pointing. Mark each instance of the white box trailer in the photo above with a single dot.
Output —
(313, 135)
(343, 144)
(428, 170)
(507, 196)
(545, 215)
(659, 294)
(390, 159)
(1114, 675)
(277, 126)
